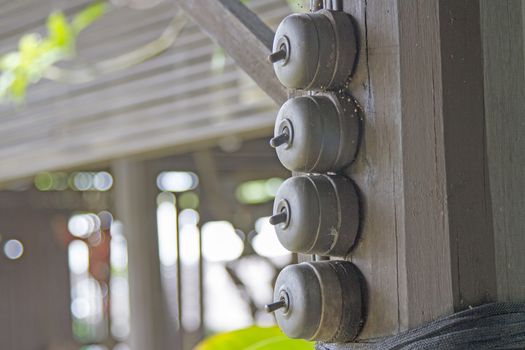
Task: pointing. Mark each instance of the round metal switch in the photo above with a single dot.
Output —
(314, 51)
(317, 134)
(317, 214)
(320, 301)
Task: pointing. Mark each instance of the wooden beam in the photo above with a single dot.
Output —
(243, 35)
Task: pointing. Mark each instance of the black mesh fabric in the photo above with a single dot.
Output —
(489, 326)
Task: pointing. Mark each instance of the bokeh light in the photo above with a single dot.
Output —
(188, 217)
(102, 181)
(266, 243)
(13, 249)
(82, 181)
(83, 225)
(177, 181)
(188, 200)
(167, 229)
(78, 257)
(258, 191)
(78, 181)
(220, 242)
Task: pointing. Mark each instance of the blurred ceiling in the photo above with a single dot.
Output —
(190, 94)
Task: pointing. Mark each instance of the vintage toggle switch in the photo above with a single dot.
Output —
(314, 51)
(317, 134)
(320, 301)
(317, 214)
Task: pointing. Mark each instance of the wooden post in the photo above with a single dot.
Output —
(504, 65)
(443, 199)
(135, 201)
(441, 83)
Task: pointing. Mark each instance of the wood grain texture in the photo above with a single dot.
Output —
(504, 66)
(377, 169)
(468, 192)
(427, 246)
(425, 274)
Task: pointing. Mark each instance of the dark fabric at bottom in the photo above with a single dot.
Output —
(490, 326)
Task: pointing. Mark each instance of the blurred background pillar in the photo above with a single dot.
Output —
(34, 276)
(151, 326)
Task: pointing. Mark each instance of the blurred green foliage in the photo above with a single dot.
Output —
(254, 338)
(35, 53)
(299, 5)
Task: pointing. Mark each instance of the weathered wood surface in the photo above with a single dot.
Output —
(377, 173)
(427, 248)
(468, 200)
(245, 37)
(171, 100)
(504, 65)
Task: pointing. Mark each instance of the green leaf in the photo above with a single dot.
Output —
(10, 61)
(60, 32)
(254, 338)
(36, 54)
(18, 88)
(28, 45)
(88, 15)
(298, 5)
(282, 343)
